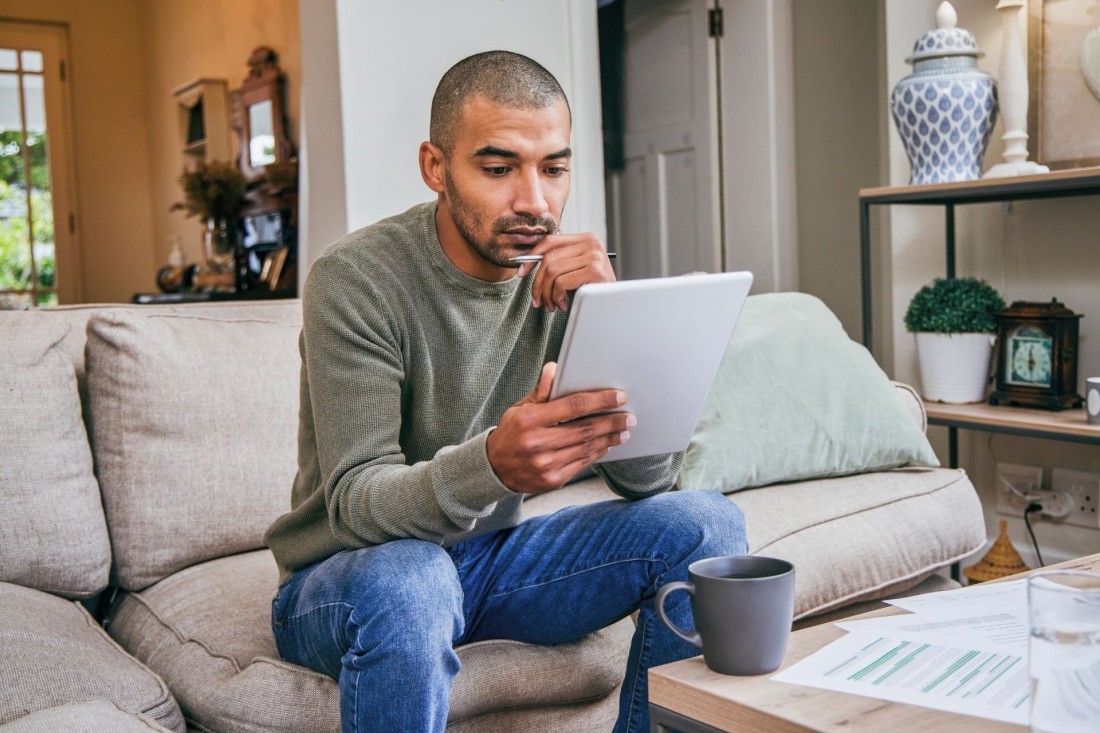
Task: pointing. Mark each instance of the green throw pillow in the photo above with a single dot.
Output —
(796, 399)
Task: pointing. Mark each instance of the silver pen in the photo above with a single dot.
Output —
(538, 258)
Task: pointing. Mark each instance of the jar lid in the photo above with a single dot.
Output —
(945, 40)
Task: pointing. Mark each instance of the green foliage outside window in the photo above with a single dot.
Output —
(15, 252)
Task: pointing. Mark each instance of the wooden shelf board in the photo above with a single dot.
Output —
(1058, 425)
(1073, 182)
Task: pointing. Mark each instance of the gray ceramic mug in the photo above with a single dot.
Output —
(743, 608)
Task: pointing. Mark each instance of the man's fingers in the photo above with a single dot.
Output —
(583, 404)
(613, 429)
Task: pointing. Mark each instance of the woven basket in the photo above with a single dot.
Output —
(1001, 560)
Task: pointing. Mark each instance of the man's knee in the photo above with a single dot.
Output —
(707, 518)
(410, 580)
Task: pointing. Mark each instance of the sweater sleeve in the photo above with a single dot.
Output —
(352, 354)
(637, 478)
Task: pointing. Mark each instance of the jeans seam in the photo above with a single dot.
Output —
(528, 586)
(643, 656)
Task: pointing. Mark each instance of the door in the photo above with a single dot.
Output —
(669, 193)
(38, 262)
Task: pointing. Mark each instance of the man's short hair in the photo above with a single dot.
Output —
(502, 77)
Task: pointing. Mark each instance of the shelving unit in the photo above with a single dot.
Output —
(1067, 425)
(204, 119)
(1059, 184)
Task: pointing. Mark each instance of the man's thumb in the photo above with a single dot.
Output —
(541, 392)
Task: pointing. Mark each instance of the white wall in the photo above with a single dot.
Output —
(1031, 250)
(391, 56)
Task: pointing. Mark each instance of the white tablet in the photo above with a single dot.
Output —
(661, 341)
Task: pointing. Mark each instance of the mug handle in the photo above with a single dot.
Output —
(691, 637)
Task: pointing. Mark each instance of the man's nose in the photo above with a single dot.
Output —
(529, 196)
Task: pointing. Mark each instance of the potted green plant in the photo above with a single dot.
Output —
(954, 322)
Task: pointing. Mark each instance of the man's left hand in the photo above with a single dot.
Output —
(568, 261)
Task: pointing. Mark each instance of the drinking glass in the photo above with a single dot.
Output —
(1064, 651)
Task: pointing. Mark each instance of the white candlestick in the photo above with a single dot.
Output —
(1012, 94)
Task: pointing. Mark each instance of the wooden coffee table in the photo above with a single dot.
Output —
(689, 697)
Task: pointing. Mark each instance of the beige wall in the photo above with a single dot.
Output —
(126, 57)
(114, 211)
(204, 39)
(838, 141)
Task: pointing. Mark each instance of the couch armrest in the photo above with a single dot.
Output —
(914, 405)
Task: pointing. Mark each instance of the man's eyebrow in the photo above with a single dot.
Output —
(492, 151)
(495, 152)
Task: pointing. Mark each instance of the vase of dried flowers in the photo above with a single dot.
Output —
(215, 192)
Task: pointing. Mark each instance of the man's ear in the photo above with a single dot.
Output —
(433, 166)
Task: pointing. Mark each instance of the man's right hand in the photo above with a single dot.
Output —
(541, 443)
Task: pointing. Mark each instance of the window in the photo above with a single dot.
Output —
(37, 266)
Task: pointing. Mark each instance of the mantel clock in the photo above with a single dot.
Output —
(1037, 356)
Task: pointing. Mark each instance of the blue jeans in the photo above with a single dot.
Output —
(384, 620)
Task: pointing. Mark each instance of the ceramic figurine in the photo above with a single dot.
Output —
(945, 109)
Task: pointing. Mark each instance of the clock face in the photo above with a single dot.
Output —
(1029, 354)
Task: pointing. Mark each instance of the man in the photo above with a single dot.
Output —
(425, 419)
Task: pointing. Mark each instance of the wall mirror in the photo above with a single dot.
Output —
(265, 155)
(259, 117)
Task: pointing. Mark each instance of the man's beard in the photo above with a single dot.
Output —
(466, 221)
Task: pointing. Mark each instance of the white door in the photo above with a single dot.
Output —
(669, 193)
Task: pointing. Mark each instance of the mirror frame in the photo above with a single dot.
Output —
(264, 82)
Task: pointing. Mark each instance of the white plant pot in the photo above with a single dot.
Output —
(954, 367)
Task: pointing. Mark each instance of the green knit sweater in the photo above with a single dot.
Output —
(407, 365)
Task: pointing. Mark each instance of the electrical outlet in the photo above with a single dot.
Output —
(1013, 481)
(1084, 487)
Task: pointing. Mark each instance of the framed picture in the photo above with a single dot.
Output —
(1064, 83)
(272, 268)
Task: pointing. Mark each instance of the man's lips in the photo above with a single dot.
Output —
(525, 236)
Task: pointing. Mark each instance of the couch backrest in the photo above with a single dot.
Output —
(914, 405)
(193, 417)
(53, 535)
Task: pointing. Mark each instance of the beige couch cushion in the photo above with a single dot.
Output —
(853, 538)
(92, 716)
(206, 630)
(194, 428)
(52, 531)
(54, 653)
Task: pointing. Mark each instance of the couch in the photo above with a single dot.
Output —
(147, 448)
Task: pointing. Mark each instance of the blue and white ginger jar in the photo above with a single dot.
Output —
(945, 109)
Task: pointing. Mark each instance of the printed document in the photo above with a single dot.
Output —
(963, 651)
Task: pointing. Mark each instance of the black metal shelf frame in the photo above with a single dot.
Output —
(1046, 186)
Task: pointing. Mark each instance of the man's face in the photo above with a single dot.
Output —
(506, 182)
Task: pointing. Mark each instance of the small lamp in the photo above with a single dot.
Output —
(1012, 91)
